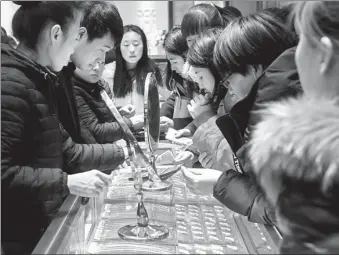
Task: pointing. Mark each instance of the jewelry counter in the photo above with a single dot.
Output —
(196, 224)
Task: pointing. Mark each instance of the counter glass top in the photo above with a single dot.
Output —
(197, 224)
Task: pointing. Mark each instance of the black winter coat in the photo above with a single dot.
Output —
(239, 191)
(94, 113)
(69, 117)
(36, 152)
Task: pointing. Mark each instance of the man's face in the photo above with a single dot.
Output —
(88, 53)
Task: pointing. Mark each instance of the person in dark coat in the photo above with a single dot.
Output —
(254, 77)
(40, 163)
(236, 128)
(101, 30)
(6, 39)
(92, 109)
(294, 149)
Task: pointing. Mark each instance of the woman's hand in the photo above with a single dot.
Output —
(165, 124)
(199, 105)
(201, 180)
(137, 122)
(185, 132)
(186, 158)
(127, 111)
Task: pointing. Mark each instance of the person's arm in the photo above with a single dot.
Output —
(192, 148)
(208, 138)
(240, 193)
(191, 127)
(107, 132)
(167, 108)
(83, 157)
(17, 180)
(203, 118)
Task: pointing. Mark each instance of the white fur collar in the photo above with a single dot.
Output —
(306, 128)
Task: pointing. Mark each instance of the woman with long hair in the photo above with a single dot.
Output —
(131, 67)
(174, 111)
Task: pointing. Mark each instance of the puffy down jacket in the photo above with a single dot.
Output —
(37, 154)
(236, 188)
(93, 112)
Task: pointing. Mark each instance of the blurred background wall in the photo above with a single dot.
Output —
(155, 17)
(7, 11)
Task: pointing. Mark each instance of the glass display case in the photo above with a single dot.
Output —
(197, 224)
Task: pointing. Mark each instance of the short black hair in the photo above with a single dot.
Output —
(257, 39)
(231, 9)
(285, 15)
(228, 14)
(100, 18)
(175, 42)
(281, 13)
(199, 18)
(200, 55)
(32, 16)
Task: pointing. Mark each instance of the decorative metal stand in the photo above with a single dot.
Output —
(142, 230)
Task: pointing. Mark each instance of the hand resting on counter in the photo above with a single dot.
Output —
(186, 158)
(88, 184)
(201, 180)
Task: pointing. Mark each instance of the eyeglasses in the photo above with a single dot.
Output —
(225, 82)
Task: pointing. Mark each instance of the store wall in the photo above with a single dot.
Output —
(129, 11)
(151, 16)
(8, 8)
(246, 7)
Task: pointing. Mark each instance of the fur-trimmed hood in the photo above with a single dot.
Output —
(306, 126)
(294, 152)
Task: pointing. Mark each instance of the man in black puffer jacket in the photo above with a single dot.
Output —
(104, 29)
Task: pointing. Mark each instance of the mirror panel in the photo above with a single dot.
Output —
(151, 113)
